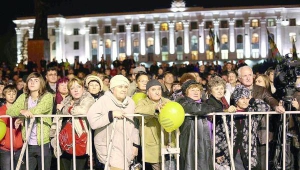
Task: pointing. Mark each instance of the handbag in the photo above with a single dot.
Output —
(66, 142)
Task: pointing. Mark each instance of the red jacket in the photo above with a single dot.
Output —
(17, 134)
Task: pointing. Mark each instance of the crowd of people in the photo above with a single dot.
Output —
(103, 96)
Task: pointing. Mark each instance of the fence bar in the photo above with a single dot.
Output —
(249, 142)
(42, 143)
(284, 140)
(214, 141)
(267, 141)
(196, 141)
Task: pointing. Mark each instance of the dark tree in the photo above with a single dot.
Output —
(41, 25)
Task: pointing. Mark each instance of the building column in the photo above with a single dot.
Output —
(100, 47)
(157, 38)
(87, 42)
(263, 41)
(142, 39)
(231, 36)
(247, 45)
(58, 43)
(186, 36)
(19, 44)
(171, 38)
(128, 40)
(278, 35)
(201, 38)
(30, 32)
(216, 32)
(114, 50)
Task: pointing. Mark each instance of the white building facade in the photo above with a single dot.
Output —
(176, 34)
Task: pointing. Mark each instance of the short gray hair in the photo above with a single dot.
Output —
(243, 67)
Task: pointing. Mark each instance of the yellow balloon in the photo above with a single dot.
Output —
(2, 129)
(138, 96)
(171, 116)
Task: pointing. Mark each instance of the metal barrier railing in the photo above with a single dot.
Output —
(164, 150)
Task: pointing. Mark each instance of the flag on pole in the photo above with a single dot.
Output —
(211, 40)
(275, 52)
(294, 50)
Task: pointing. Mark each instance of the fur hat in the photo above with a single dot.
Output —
(153, 83)
(118, 80)
(186, 85)
(94, 78)
(239, 92)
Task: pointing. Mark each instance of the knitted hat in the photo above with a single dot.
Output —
(153, 83)
(186, 85)
(94, 78)
(239, 92)
(118, 80)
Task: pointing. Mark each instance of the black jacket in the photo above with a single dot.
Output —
(187, 136)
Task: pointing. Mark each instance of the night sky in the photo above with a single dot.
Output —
(18, 8)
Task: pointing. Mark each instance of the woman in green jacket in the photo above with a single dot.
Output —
(35, 101)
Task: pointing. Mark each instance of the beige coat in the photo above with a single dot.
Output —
(80, 107)
(98, 117)
(152, 129)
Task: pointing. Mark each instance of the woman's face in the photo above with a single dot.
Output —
(260, 81)
(271, 76)
(243, 103)
(142, 82)
(232, 78)
(76, 90)
(120, 92)
(63, 88)
(94, 87)
(218, 91)
(176, 87)
(20, 85)
(106, 82)
(194, 93)
(1, 88)
(34, 84)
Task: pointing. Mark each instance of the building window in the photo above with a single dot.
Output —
(179, 41)
(94, 44)
(53, 32)
(150, 27)
(239, 39)
(150, 42)
(224, 24)
(107, 29)
(239, 54)
(194, 25)
(135, 28)
(164, 56)
(224, 39)
(164, 41)
(255, 53)
(209, 55)
(179, 26)
(136, 43)
(76, 45)
(121, 43)
(271, 22)
(208, 24)
(255, 38)
(293, 22)
(239, 23)
(254, 23)
(94, 30)
(76, 31)
(108, 43)
(164, 27)
(195, 55)
(121, 28)
(224, 54)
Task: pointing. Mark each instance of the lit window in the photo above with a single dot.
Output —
(179, 26)
(94, 44)
(240, 54)
(209, 55)
(254, 23)
(195, 55)
(164, 27)
(179, 41)
(150, 42)
(255, 39)
(224, 54)
(165, 56)
(271, 22)
(122, 43)
(255, 53)
(136, 42)
(108, 43)
(224, 39)
(292, 36)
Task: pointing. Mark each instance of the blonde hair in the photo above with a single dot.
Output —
(199, 86)
(73, 81)
(265, 79)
